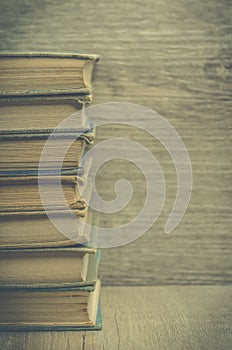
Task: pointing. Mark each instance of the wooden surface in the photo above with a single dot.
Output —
(173, 57)
(146, 318)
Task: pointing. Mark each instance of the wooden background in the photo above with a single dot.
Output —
(175, 58)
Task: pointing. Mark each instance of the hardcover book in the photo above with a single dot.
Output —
(45, 73)
(23, 151)
(35, 230)
(48, 267)
(39, 113)
(23, 193)
(48, 309)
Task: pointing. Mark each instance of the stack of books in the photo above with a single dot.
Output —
(48, 267)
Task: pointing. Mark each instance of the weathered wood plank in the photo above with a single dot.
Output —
(164, 317)
(174, 57)
(42, 340)
(161, 318)
(180, 317)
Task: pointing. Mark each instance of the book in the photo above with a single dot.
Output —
(23, 151)
(45, 309)
(23, 193)
(40, 90)
(48, 267)
(47, 281)
(29, 114)
(36, 230)
(45, 73)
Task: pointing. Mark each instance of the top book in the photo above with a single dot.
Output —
(45, 73)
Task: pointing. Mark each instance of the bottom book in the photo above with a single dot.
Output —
(29, 309)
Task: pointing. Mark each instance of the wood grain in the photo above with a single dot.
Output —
(162, 318)
(167, 317)
(173, 57)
